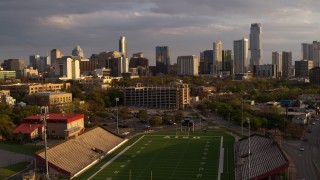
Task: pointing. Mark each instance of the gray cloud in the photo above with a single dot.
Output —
(186, 26)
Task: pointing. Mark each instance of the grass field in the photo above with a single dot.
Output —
(167, 156)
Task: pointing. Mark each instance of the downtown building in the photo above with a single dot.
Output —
(176, 96)
(240, 48)
(67, 68)
(113, 61)
(302, 68)
(277, 61)
(287, 68)
(162, 59)
(187, 65)
(139, 62)
(217, 58)
(255, 44)
(206, 62)
(54, 55)
(39, 62)
(265, 71)
(227, 62)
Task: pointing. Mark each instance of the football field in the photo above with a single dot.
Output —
(169, 156)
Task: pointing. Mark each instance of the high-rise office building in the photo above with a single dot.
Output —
(206, 62)
(217, 58)
(187, 65)
(227, 61)
(54, 55)
(316, 53)
(123, 50)
(240, 48)
(78, 52)
(277, 60)
(307, 51)
(13, 64)
(123, 45)
(67, 68)
(162, 59)
(39, 62)
(302, 68)
(286, 64)
(255, 44)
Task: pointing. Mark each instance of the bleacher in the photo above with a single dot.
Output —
(73, 155)
(266, 158)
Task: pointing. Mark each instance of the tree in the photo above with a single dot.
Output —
(155, 120)
(143, 115)
(6, 126)
(178, 117)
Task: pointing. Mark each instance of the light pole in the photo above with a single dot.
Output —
(242, 117)
(248, 119)
(44, 110)
(176, 128)
(117, 99)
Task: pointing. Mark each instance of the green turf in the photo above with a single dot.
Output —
(157, 156)
(12, 169)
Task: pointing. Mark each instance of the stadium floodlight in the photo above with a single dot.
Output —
(44, 110)
(248, 120)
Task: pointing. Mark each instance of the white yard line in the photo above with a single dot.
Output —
(221, 159)
(114, 158)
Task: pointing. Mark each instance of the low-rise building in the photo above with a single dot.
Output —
(176, 96)
(34, 87)
(51, 99)
(58, 126)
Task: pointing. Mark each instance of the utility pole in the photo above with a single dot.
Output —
(44, 110)
(117, 99)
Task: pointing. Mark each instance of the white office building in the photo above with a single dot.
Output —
(67, 68)
(217, 57)
(277, 60)
(240, 49)
(187, 65)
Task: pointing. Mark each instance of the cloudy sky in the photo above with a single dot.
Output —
(186, 26)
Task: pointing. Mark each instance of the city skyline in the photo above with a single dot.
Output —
(37, 27)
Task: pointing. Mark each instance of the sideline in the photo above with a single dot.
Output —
(221, 159)
(114, 158)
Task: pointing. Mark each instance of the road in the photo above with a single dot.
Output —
(304, 164)
(307, 162)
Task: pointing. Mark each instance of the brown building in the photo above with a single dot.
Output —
(51, 99)
(33, 88)
(87, 66)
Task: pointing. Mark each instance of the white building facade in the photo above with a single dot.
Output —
(240, 49)
(67, 68)
(188, 65)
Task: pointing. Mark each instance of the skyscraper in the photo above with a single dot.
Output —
(316, 53)
(123, 45)
(54, 55)
(227, 61)
(206, 60)
(162, 59)
(39, 62)
(277, 60)
(255, 44)
(78, 52)
(187, 65)
(307, 51)
(240, 48)
(286, 64)
(217, 58)
(123, 50)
